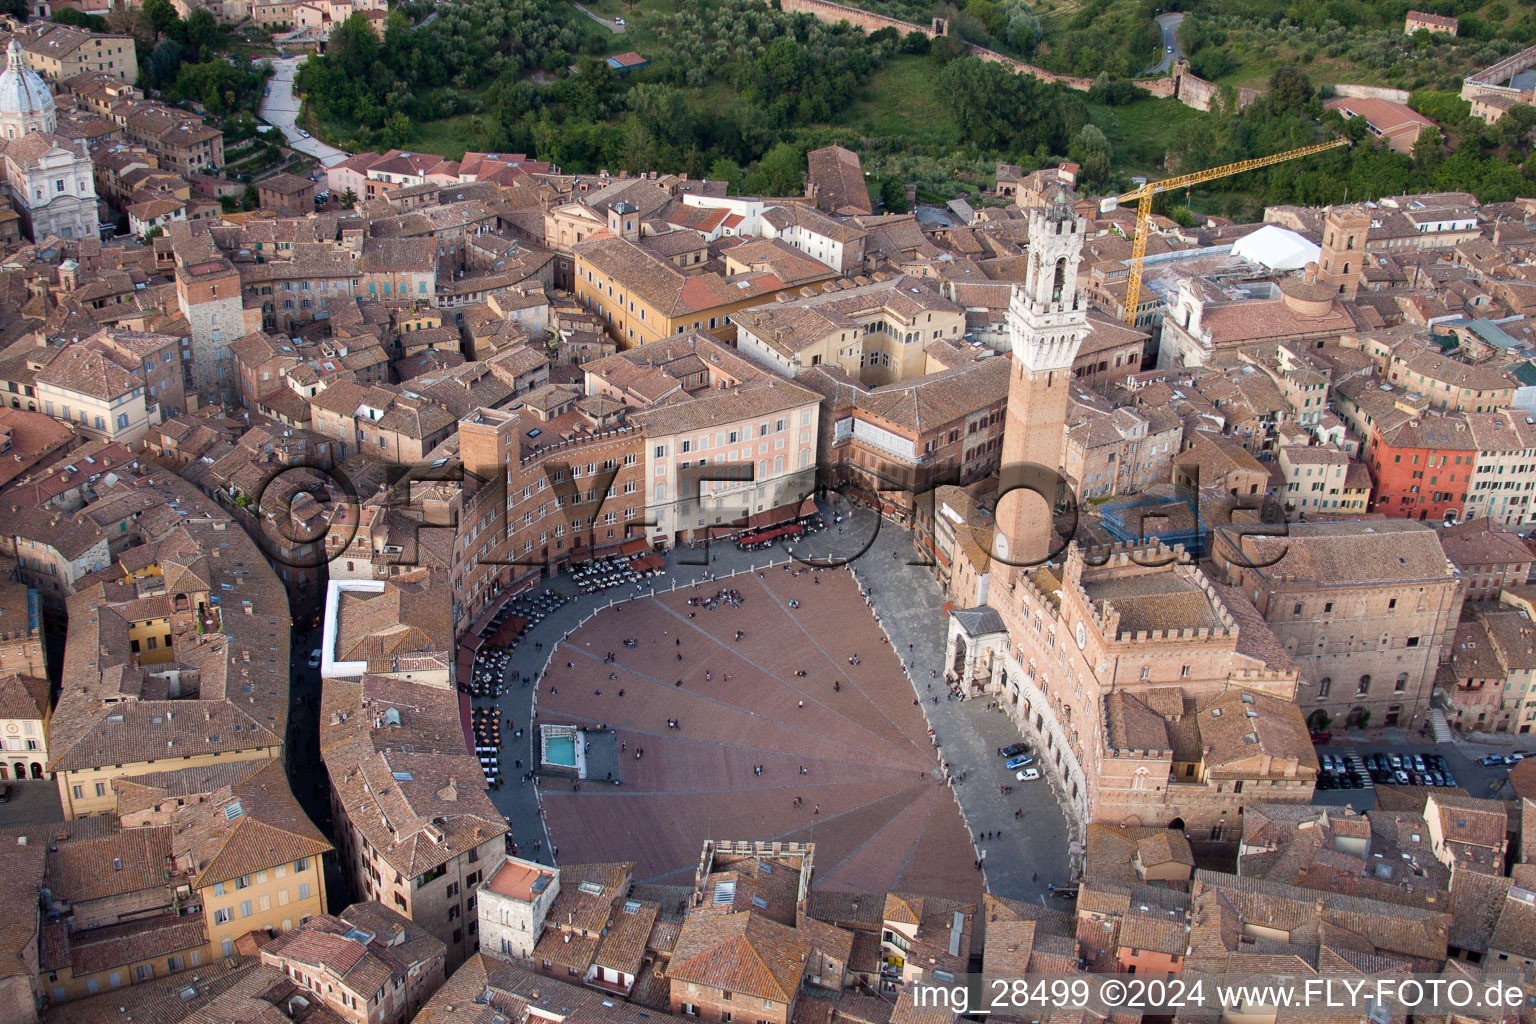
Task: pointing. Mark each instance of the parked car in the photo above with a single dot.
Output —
(1492, 760)
(620, 22)
(1013, 750)
(1028, 775)
(1022, 761)
(1321, 736)
(1064, 894)
(314, 658)
(303, 134)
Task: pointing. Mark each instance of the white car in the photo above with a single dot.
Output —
(620, 22)
(314, 658)
(303, 134)
(1028, 775)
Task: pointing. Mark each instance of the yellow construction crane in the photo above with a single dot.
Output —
(1143, 199)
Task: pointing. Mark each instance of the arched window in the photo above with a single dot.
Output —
(1061, 279)
(1364, 687)
(1323, 686)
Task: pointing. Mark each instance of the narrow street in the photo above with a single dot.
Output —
(1169, 24)
(280, 107)
(306, 771)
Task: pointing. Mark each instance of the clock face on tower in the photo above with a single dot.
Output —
(1082, 636)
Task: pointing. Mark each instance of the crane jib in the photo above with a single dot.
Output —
(1143, 198)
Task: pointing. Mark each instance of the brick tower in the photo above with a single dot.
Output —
(1046, 324)
(1341, 264)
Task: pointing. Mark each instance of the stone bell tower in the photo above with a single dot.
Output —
(1046, 323)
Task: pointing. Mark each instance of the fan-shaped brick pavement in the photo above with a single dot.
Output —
(885, 821)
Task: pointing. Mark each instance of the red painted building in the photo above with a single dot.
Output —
(1421, 469)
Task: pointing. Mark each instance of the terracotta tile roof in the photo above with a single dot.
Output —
(24, 697)
(838, 178)
(930, 402)
(795, 324)
(1515, 932)
(854, 910)
(1304, 913)
(86, 371)
(1481, 542)
(1253, 726)
(744, 952)
(1354, 552)
(628, 937)
(96, 868)
(243, 697)
(21, 882)
(140, 792)
(419, 810)
(1477, 901)
(253, 825)
(167, 999)
(411, 615)
(366, 948)
(100, 949)
(1465, 819)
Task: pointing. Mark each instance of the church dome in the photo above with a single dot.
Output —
(26, 104)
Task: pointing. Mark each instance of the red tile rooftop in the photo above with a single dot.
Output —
(517, 880)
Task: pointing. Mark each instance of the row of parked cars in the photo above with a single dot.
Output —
(1495, 760)
(1409, 769)
(1384, 769)
(1335, 772)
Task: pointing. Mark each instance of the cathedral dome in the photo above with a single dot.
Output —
(26, 104)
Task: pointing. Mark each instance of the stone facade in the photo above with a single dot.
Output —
(1367, 609)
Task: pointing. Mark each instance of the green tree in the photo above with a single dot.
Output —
(165, 62)
(397, 130)
(161, 15)
(727, 170)
(348, 199)
(1090, 150)
(202, 30)
(1428, 150)
(945, 49)
(1515, 125)
(1289, 89)
(781, 172)
(70, 16)
(250, 199)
